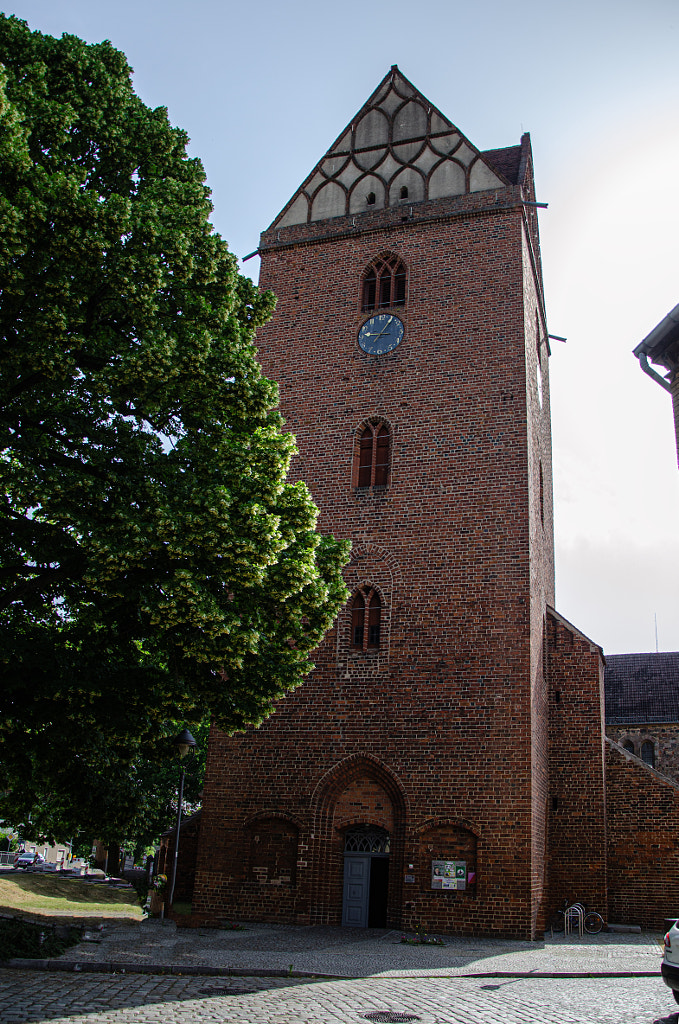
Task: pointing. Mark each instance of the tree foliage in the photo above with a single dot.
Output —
(155, 567)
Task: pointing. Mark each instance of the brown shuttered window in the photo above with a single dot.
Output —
(374, 614)
(365, 465)
(366, 628)
(382, 457)
(384, 284)
(369, 289)
(373, 455)
(358, 621)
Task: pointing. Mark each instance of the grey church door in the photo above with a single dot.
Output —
(366, 877)
(356, 891)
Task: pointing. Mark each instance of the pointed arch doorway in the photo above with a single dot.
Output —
(366, 877)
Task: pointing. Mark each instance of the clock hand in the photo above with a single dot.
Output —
(388, 324)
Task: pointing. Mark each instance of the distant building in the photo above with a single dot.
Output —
(661, 346)
(642, 707)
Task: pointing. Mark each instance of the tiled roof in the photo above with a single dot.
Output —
(642, 688)
(506, 161)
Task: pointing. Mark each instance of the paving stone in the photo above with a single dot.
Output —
(27, 996)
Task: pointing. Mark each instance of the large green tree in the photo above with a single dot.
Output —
(155, 566)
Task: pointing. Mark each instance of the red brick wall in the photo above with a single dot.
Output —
(449, 717)
(643, 841)
(577, 805)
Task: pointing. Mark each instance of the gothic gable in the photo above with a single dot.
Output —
(398, 149)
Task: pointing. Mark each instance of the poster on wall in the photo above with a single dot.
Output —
(449, 874)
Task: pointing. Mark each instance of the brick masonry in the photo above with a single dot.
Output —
(440, 735)
(474, 733)
(643, 841)
(577, 857)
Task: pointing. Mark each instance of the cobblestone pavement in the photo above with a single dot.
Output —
(33, 997)
(349, 952)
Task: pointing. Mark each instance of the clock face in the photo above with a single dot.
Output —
(380, 334)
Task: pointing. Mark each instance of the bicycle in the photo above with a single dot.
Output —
(568, 919)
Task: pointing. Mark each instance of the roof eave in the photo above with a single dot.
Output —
(662, 344)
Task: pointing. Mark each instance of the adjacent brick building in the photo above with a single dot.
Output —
(642, 707)
(444, 763)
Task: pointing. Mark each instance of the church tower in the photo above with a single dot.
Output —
(406, 782)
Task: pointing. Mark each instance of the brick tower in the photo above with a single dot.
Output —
(407, 781)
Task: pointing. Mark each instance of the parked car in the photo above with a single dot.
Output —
(28, 858)
(670, 961)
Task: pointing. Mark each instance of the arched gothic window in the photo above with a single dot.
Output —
(384, 284)
(366, 619)
(372, 456)
(628, 745)
(648, 752)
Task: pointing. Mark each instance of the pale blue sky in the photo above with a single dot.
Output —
(263, 89)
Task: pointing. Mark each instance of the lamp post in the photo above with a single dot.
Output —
(184, 742)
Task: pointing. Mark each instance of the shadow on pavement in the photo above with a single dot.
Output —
(28, 997)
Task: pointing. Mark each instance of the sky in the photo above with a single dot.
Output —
(264, 89)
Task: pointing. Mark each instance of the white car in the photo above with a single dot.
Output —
(670, 961)
(28, 859)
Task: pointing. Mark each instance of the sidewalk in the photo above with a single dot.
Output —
(264, 949)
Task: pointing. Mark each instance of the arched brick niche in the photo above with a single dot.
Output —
(372, 568)
(359, 790)
(447, 842)
(272, 850)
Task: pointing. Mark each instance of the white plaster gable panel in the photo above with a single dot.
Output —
(358, 200)
(426, 160)
(333, 164)
(445, 144)
(465, 154)
(297, 213)
(372, 130)
(329, 201)
(397, 129)
(407, 151)
(413, 181)
(391, 102)
(383, 90)
(344, 144)
(448, 179)
(410, 122)
(439, 123)
(315, 183)
(388, 168)
(481, 177)
(349, 175)
(369, 157)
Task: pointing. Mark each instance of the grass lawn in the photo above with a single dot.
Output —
(38, 895)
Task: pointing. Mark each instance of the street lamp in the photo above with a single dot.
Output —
(184, 742)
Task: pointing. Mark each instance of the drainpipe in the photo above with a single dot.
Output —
(647, 368)
(671, 385)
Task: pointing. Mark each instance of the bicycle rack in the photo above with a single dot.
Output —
(574, 915)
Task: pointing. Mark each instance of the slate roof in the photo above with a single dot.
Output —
(642, 688)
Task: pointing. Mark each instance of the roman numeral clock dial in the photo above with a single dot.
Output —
(380, 334)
